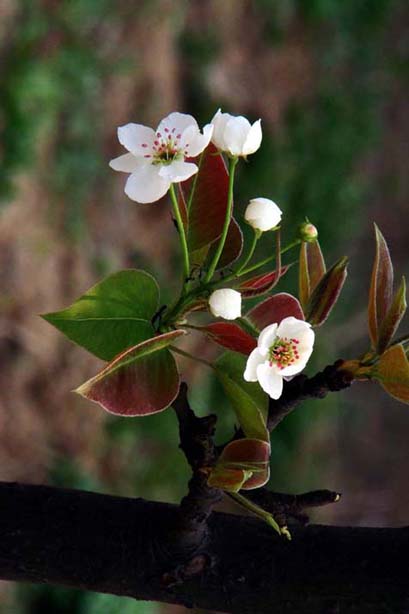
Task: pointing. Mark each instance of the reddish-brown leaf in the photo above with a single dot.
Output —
(380, 292)
(251, 456)
(392, 370)
(232, 248)
(208, 206)
(275, 309)
(142, 380)
(303, 277)
(259, 285)
(230, 336)
(326, 294)
(393, 318)
(316, 264)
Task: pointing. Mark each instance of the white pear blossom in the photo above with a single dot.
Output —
(225, 303)
(262, 214)
(156, 158)
(282, 351)
(235, 135)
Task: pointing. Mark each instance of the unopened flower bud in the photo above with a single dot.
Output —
(308, 232)
(262, 214)
(225, 303)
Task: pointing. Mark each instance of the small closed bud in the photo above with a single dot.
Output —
(262, 214)
(308, 232)
(225, 303)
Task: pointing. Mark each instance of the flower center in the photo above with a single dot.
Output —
(167, 148)
(283, 352)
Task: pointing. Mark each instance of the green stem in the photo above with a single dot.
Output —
(222, 241)
(181, 228)
(258, 511)
(256, 236)
(258, 265)
(187, 355)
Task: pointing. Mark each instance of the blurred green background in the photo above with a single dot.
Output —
(329, 80)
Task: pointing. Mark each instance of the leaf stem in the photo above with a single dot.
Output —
(258, 511)
(258, 265)
(182, 234)
(256, 236)
(222, 240)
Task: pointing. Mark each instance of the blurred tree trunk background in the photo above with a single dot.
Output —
(329, 80)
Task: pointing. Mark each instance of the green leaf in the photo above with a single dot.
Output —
(113, 315)
(380, 292)
(392, 370)
(393, 318)
(326, 294)
(141, 381)
(249, 401)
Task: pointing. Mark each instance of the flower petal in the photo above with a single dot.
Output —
(176, 123)
(267, 338)
(270, 381)
(177, 171)
(254, 360)
(193, 142)
(126, 163)
(253, 140)
(136, 138)
(219, 122)
(145, 185)
(235, 135)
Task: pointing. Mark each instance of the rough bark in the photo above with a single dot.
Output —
(127, 546)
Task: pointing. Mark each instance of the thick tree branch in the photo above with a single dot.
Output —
(332, 379)
(123, 546)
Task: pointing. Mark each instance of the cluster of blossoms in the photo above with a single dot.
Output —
(156, 159)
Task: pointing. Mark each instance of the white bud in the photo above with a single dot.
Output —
(262, 214)
(235, 135)
(225, 303)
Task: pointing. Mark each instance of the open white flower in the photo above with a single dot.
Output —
(235, 135)
(225, 303)
(157, 158)
(262, 214)
(282, 351)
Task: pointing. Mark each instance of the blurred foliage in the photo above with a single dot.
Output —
(55, 67)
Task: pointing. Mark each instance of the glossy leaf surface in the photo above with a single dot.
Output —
(113, 315)
(248, 400)
(141, 381)
(275, 309)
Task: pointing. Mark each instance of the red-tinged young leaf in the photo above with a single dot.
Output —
(316, 264)
(208, 204)
(380, 292)
(392, 370)
(275, 309)
(141, 381)
(245, 451)
(303, 277)
(232, 248)
(393, 318)
(230, 336)
(227, 479)
(261, 284)
(250, 455)
(326, 294)
(258, 479)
